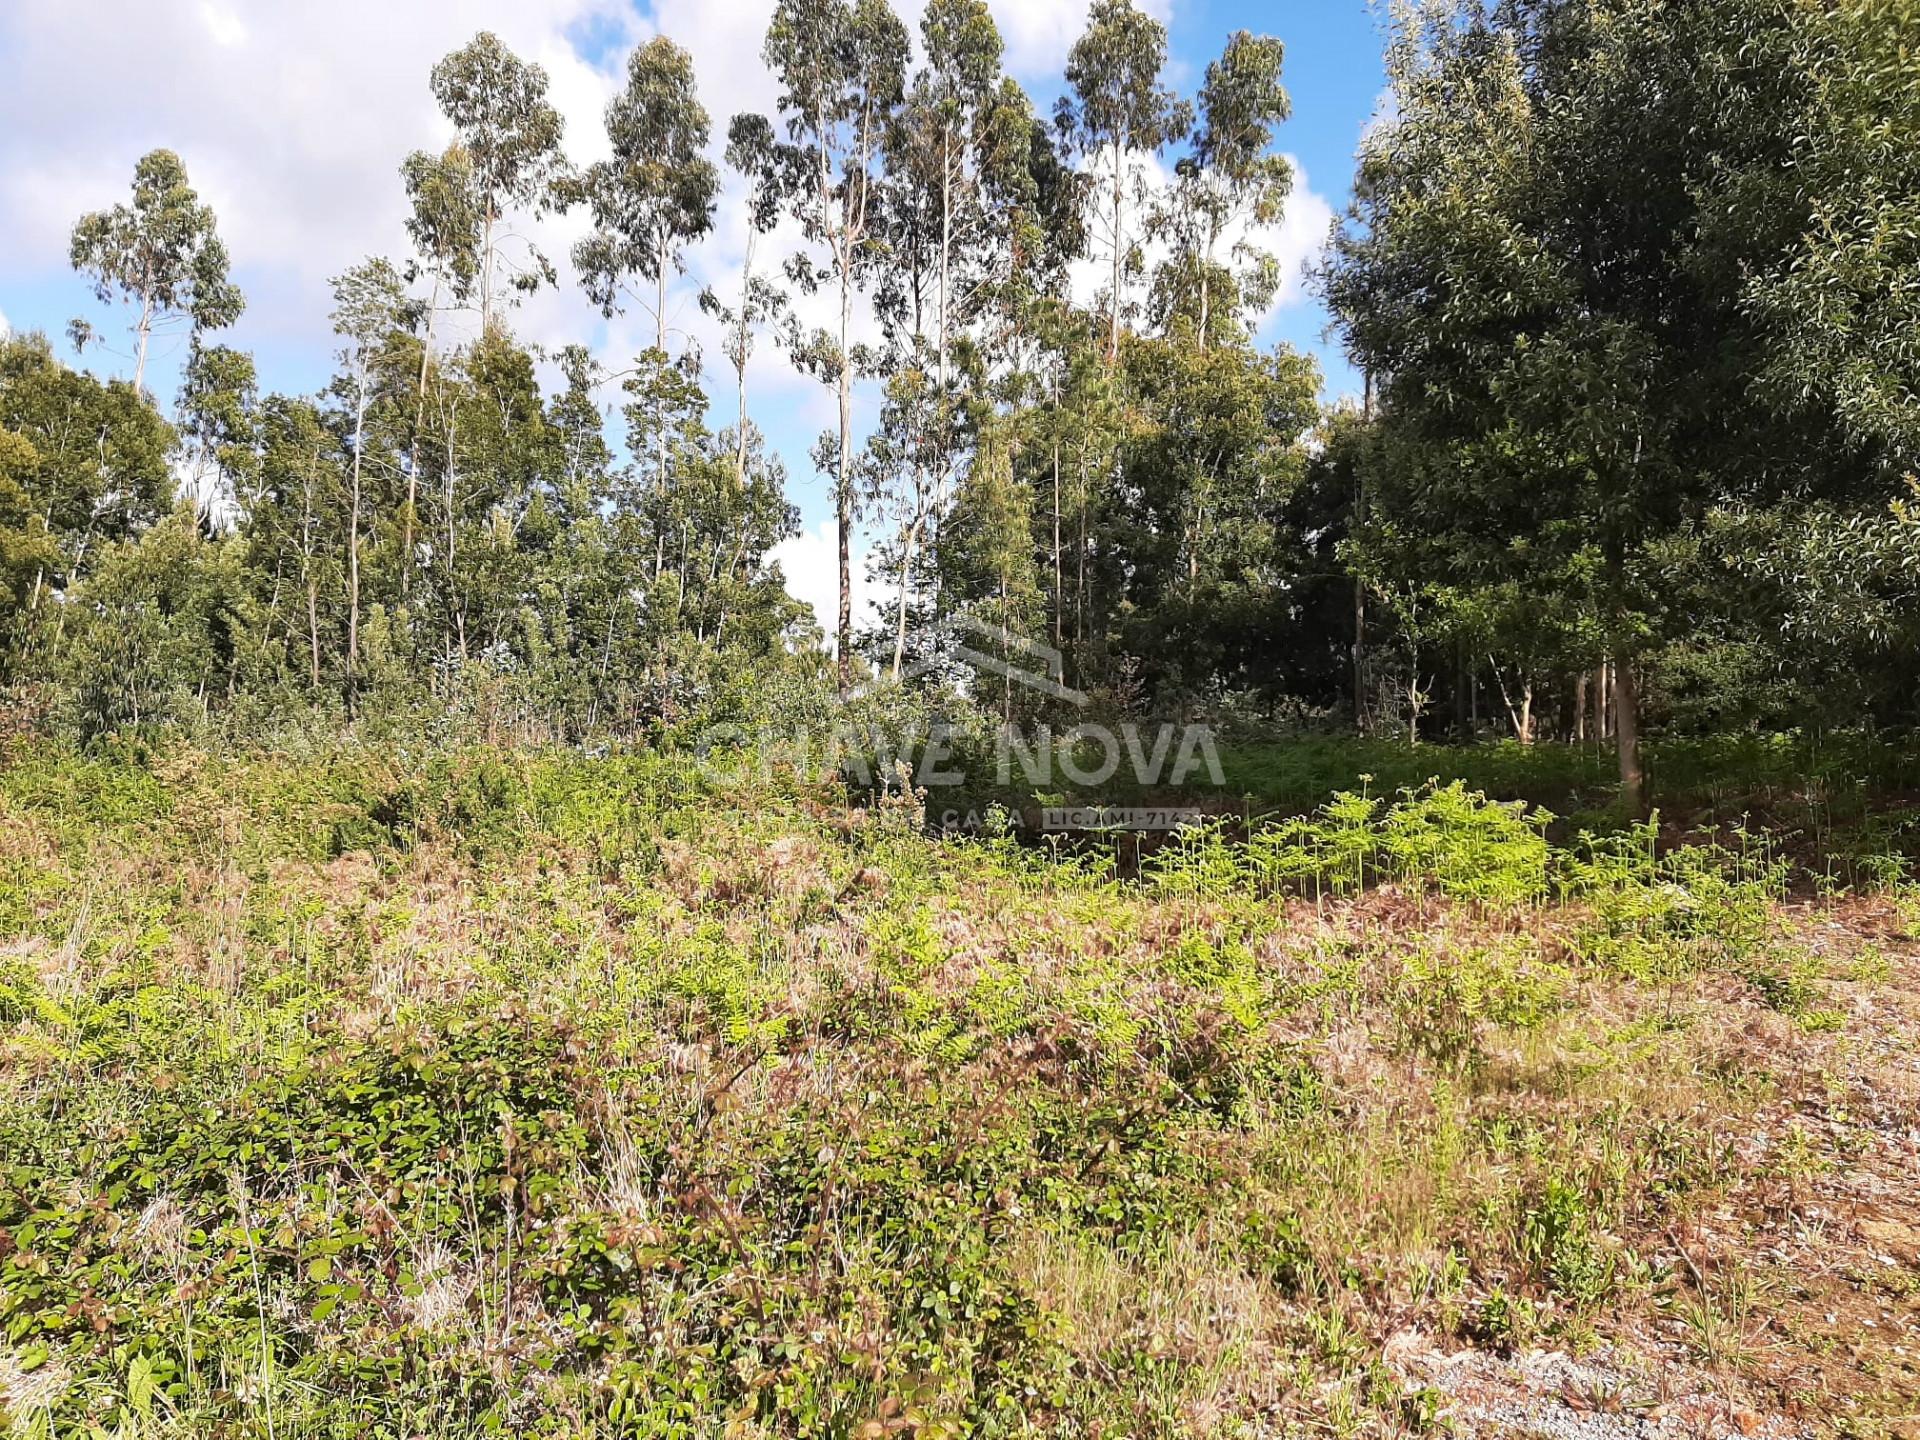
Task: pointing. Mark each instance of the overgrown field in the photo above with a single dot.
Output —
(488, 1091)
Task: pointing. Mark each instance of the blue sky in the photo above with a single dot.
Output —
(1335, 76)
(292, 120)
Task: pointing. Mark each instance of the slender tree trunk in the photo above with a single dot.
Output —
(1580, 708)
(353, 548)
(1119, 253)
(486, 281)
(1626, 729)
(1206, 278)
(1080, 564)
(306, 570)
(946, 255)
(741, 335)
(1461, 664)
(906, 586)
(1359, 587)
(143, 331)
(313, 630)
(843, 489)
(1059, 596)
(454, 601)
(660, 344)
(740, 429)
(413, 457)
(1521, 715)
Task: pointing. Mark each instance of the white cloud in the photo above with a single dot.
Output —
(810, 561)
(291, 123)
(222, 25)
(1300, 238)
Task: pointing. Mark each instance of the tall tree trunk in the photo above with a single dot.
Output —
(843, 491)
(1059, 596)
(946, 255)
(740, 368)
(1119, 254)
(1206, 277)
(1626, 730)
(486, 281)
(906, 587)
(1580, 708)
(1460, 667)
(144, 330)
(413, 457)
(660, 344)
(1359, 587)
(1080, 576)
(306, 569)
(454, 601)
(353, 548)
(313, 631)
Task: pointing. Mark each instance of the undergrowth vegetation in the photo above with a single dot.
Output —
(481, 1091)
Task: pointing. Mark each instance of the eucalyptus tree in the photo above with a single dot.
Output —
(502, 460)
(161, 254)
(92, 458)
(759, 303)
(1230, 181)
(841, 67)
(292, 506)
(987, 559)
(219, 398)
(1119, 117)
(444, 222)
(902, 469)
(940, 149)
(655, 195)
(587, 593)
(511, 135)
(651, 199)
(370, 305)
(939, 233)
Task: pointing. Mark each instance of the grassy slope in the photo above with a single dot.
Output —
(485, 1091)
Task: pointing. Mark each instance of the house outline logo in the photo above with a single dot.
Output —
(1045, 672)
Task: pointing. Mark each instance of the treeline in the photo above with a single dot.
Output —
(1638, 282)
(1112, 475)
(1631, 282)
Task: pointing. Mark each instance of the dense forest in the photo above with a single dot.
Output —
(1631, 283)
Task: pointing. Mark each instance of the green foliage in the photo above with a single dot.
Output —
(1659, 916)
(327, 1081)
(160, 254)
